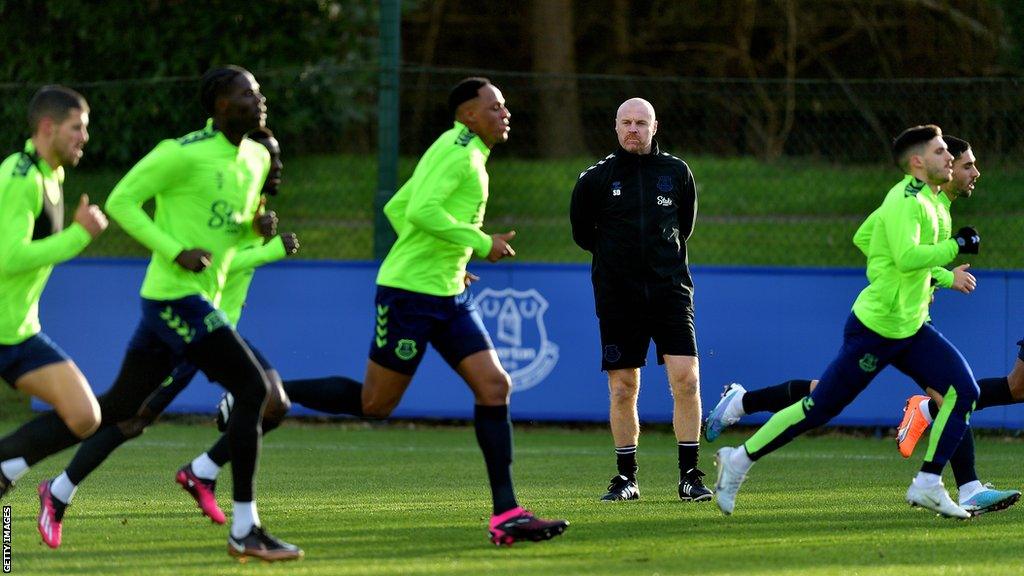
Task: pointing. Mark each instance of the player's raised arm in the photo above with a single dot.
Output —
(18, 251)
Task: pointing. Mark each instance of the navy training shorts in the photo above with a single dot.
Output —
(407, 321)
(176, 324)
(37, 351)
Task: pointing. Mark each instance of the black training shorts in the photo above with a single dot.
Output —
(667, 319)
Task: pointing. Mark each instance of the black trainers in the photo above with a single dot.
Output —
(517, 524)
(692, 489)
(258, 544)
(621, 488)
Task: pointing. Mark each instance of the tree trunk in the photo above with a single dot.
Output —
(421, 97)
(559, 129)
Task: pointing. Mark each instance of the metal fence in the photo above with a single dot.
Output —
(785, 170)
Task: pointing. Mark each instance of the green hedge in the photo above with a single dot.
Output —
(314, 59)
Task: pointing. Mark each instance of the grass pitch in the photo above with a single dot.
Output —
(404, 499)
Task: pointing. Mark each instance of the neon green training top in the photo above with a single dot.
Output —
(28, 187)
(250, 256)
(438, 214)
(943, 277)
(905, 247)
(207, 192)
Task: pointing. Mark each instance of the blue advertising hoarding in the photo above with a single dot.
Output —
(754, 326)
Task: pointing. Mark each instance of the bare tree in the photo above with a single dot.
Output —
(421, 95)
(559, 129)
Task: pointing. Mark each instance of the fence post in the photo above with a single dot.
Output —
(387, 118)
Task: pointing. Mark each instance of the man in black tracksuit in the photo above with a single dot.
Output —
(634, 210)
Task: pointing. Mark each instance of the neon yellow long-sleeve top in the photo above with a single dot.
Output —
(906, 243)
(207, 192)
(250, 256)
(438, 215)
(32, 239)
(943, 277)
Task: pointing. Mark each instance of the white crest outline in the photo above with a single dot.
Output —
(546, 358)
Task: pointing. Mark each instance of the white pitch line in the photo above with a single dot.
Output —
(533, 451)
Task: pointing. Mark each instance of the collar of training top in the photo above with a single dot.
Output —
(623, 153)
(42, 165)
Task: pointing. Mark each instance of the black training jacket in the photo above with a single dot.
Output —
(634, 213)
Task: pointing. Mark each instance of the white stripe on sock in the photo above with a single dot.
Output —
(925, 479)
(62, 489)
(969, 490)
(740, 459)
(14, 468)
(205, 468)
(243, 518)
(924, 410)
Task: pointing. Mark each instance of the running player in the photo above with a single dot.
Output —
(973, 496)
(98, 447)
(207, 191)
(32, 240)
(422, 297)
(887, 326)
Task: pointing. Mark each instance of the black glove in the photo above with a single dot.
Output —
(266, 224)
(194, 260)
(968, 240)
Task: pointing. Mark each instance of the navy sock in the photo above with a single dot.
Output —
(625, 461)
(220, 452)
(962, 460)
(994, 392)
(687, 456)
(494, 434)
(333, 395)
(225, 358)
(775, 398)
(38, 438)
(93, 451)
(956, 427)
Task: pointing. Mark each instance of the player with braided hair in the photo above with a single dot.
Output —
(207, 188)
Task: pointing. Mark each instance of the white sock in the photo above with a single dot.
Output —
(967, 491)
(735, 408)
(925, 479)
(243, 518)
(205, 468)
(14, 468)
(924, 410)
(62, 489)
(740, 460)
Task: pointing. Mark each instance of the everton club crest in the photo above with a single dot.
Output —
(515, 319)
